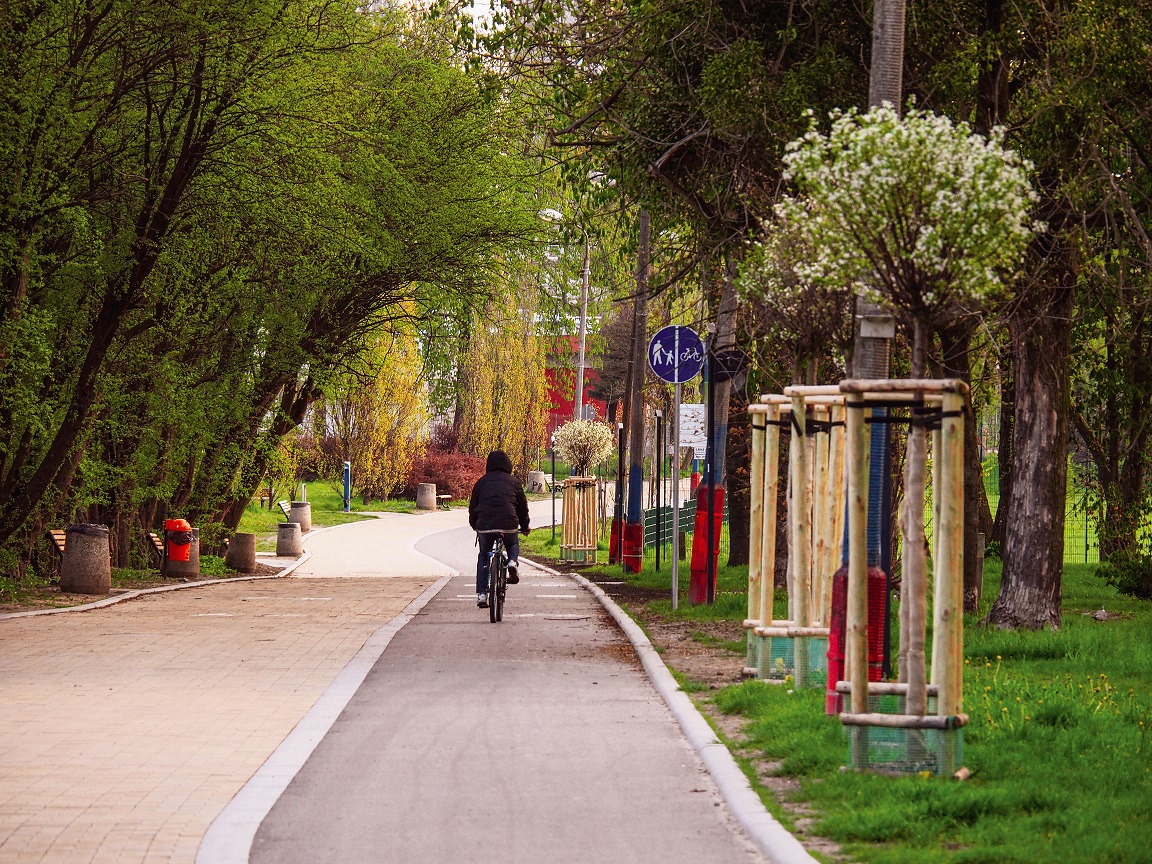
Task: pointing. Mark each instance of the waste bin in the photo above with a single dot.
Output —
(288, 541)
(301, 513)
(86, 568)
(181, 549)
(241, 554)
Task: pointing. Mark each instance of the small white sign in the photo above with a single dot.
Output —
(692, 428)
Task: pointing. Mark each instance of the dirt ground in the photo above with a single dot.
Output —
(51, 597)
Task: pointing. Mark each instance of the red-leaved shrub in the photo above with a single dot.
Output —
(453, 473)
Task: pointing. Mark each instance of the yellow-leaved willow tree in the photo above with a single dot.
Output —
(504, 385)
(377, 416)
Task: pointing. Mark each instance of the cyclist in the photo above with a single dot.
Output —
(497, 506)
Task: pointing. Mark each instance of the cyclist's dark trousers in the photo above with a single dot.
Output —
(511, 544)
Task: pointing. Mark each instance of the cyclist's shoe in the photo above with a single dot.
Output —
(513, 575)
(482, 601)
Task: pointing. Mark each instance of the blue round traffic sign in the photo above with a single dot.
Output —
(676, 354)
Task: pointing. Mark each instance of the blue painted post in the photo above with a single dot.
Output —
(347, 486)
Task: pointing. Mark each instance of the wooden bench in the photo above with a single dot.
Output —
(155, 546)
(286, 507)
(444, 502)
(57, 537)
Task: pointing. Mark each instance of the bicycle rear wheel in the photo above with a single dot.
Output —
(493, 592)
(498, 605)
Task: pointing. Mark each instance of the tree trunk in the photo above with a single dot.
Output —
(1030, 590)
(1004, 445)
(725, 340)
(739, 487)
(780, 577)
(914, 591)
(955, 344)
(636, 416)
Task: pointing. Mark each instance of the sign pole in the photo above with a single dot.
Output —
(676, 506)
(675, 365)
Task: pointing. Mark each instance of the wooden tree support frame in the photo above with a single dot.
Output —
(814, 417)
(948, 496)
(578, 534)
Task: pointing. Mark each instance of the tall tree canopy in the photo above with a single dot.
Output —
(208, 210)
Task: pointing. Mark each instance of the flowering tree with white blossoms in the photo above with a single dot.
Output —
(923, 216)
(928, 219)
(582, 443)
(811, 316)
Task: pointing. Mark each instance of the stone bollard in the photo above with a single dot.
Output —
(426, 496)
(289, 543)
(87, 568)
(536, 482)
(191, 567)
(301, 514)
(241, 554)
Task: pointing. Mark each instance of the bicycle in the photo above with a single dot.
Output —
(497, 580)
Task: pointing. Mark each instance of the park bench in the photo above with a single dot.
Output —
(444, 501)
(156, 546)
(57, 537)
(286, 507)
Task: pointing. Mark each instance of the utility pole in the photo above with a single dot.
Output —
(578, 403)
(632, 547)
(875, 327)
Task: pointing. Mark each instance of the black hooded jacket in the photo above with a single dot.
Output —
(498, 502)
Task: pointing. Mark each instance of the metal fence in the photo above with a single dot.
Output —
(658, 528)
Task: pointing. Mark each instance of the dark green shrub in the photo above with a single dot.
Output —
(1130, 573)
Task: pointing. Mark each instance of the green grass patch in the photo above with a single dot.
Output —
(1058, 743)
(327, 510)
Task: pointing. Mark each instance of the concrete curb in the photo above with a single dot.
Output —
(230, 836)
(160, 589)
(772, 838)
(142, 592)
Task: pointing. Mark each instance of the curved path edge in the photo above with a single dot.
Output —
(229, 838)
(773, 839)
(144, 592)
(160, 589)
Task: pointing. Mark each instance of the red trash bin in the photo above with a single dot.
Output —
(178, 535)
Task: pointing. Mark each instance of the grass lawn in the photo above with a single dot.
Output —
(1058, 745)
(327, 509)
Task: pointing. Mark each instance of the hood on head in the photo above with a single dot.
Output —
(498, 461)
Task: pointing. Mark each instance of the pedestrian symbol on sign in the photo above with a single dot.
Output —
(676, 354)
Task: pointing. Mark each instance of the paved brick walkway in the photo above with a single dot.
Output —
(125, 730)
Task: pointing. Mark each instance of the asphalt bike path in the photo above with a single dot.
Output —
(538, 739)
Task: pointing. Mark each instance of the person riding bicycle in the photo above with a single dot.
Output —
(498, 506)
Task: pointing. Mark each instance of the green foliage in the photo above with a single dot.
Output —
(1129, 574)
(208, 213)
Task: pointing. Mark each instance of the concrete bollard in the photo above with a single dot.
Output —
(191, 567)
(536, 482)
(289, 543)
(86, 568)
(241, 554)
(301, 513)
(426, 496)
